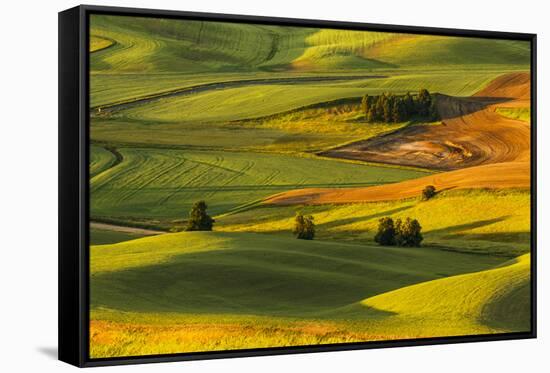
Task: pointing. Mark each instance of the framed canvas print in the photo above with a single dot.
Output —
(237, 186)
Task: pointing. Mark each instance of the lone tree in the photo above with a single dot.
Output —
(199, 220)
(304, 228)
(408, 233)
(386, 232)
(428, 192)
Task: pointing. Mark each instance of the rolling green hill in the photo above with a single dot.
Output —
(478, 221)
(197, 291)
(164, 183)
(163, 45)
(125, 87)
(482, 301)
(445, 52)
(100, 160)
(252, 101)
(157, 45)
(247, 273)
(136, 58)
(231, 113)
(104, 236)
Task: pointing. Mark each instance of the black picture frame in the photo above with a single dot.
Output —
(74, 188)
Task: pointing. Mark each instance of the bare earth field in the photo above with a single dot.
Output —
(493, 176)
(471, 132)
(481, 148)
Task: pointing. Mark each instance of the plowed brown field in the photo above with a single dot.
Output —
(471, 132)
(493, 176)
(480, 148)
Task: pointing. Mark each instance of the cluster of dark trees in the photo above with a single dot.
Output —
(304, 227)
(389, 108)
(399, 233)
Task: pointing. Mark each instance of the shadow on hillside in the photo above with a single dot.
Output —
(450, 107)
(346, 221)
(508, 237)
(462, 227)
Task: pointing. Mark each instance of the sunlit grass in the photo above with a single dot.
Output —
(250, 283)
(98, 43)
(100, 160)
(492, 301)
(214, 333)
(480, 302)
(473, 220)
(104, 236)
(523, 113)
(164, 183)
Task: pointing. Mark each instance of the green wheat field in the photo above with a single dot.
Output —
(262, 122)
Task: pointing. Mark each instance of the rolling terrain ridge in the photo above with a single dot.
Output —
(265, 121)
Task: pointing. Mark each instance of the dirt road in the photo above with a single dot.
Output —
(124, 229)
(117, 106)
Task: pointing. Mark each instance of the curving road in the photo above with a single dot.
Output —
(118, 106)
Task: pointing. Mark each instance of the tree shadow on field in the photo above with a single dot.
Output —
(49, 351)
(510, 237)
(351, 220)
(463, 227)
(454, 107)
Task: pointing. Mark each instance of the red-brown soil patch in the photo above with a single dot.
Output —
(478, 147)
(492, 176)
(471, 132)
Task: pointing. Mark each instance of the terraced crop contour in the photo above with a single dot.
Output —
(265, 121)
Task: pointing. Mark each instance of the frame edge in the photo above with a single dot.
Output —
(69, 244)
(72, 222)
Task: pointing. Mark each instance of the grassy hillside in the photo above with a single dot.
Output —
(100, 160)
(220, 272)
(230, 113)
(481, 302)
(494, 222)
(522, 113)
(103, 236)
(200, 121)
(113, 88)
(260, 100)
(164, 183)
(150, 56)
(208, 117)
(98, 43)
(242, 290)
(445, 51)
(192, 45)
(162, 45)
(238, 103)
